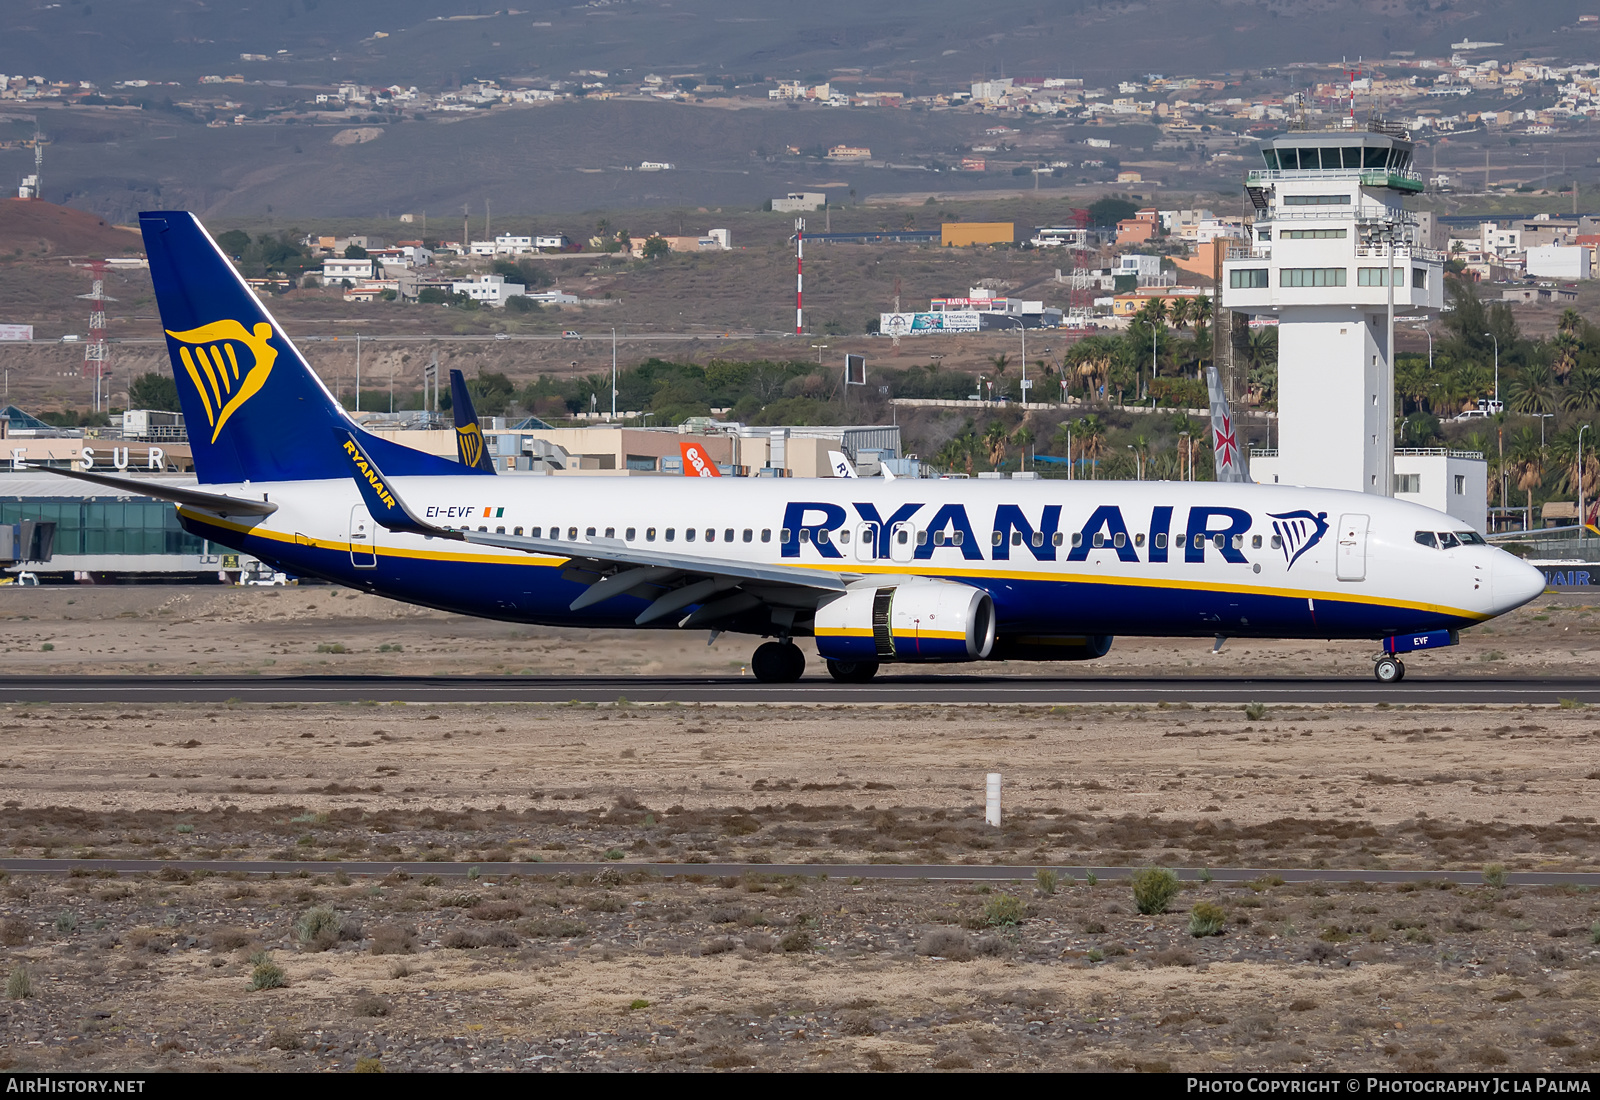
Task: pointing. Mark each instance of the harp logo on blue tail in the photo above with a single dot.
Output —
(1298, 532)
(211, 357)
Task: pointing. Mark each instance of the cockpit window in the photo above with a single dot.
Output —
(1447, 541)
(1471, 538)
(1426, 538)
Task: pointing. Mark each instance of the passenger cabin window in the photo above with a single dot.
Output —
(1161, 540)
(670, 533)
(1016, 538)
(1099, 538)
(783, 535)
(766, 535)
(1038, 538)
(805, 534)
(630, 533)
(649, 534)
(823, 535)
(1255, 542)
(572, 533)
(1277, 542)
(1077, 538)
(484, 529)
(749, 534)
(711, 534)
(519, 531)
(844, 536)
(995, 538)
(611, 532)
(589, 533)
(1426, 538)
(1057, 539)
(922, 538)
(499, 530)
(938, 538)
(536, 532)
(688, 534)
(727, 536)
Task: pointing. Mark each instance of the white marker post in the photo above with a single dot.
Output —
(991, 800)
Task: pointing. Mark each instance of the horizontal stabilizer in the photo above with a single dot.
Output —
(216, 503)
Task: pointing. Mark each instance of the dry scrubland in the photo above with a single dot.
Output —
(623, 971)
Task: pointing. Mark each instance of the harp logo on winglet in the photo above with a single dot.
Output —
(372, 479)
(225, 379)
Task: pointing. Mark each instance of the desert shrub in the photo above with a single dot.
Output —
(463, 939)
(1594, 932)
(267, 975)
(495, 910)
(20, 985)
(393, 939)
(760, 943)
(228, 938)
(1206, 919)
(946, 943)
(1047, 880)
(1003, 909)
(66, 922)
(1255, 711)
(13, 932)
(990, 946)
(798, 940)
(321, 927)
(370, 1006)
(1153, 889)
(718, 946)
(501, 937)
(331, 647)
(1495, 875)
(368, 1065)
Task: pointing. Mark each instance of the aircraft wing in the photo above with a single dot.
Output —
(610, 567)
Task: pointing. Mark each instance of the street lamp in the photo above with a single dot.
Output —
(819, 348)
(1138, 462)
(1188, 448)
(1496, 340)
(1583, 512)
(1542, 418)
(1429, 334)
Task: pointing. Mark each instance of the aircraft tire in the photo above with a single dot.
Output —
(1388, 670)
(852, 672)
(778, 663)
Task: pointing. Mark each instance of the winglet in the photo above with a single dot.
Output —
(469, 437)
(385, 505)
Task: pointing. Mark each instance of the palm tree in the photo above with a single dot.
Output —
(1583, 389)
(1091, 435)
(1000, 363)
(1571, 324)
(1564, 353)
(1182, 311)
(1141, 449)
(1526, 464)
(1023, 438)
(995, 440)
(1532, 391)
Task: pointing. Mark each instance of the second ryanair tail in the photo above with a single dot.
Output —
(254, 408)
(1226, 459)
(469, 436)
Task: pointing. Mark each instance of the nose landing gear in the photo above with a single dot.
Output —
(1389, 670)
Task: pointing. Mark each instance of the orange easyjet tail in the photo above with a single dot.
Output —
(696, 463)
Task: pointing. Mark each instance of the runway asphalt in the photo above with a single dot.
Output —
(892, 689)
(956, 872)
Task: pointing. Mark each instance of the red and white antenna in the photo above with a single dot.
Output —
(799, 277)
(95, 354)
(1350, 82)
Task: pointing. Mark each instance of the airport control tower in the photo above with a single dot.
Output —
(1328, 223)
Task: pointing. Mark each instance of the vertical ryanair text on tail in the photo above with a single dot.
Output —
(876, 570)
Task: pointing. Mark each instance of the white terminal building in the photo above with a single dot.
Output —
(1329, 222)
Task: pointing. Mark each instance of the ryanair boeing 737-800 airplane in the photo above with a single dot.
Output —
(874, 570)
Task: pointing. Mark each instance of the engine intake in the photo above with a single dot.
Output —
(916, 620)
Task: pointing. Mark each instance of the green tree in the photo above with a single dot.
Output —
(1106, 211)
(234, 242)
(355, 252)
(155, 390)
(656, 247)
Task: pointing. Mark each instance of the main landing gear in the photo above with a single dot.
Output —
(778, 663)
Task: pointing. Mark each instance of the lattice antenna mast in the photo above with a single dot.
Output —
(38, 161)
(95, 353)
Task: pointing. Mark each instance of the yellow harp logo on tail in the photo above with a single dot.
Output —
(470, 439)
(211, 355)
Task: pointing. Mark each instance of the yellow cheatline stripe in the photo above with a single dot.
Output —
(1137, 582)
(844, 632)
(947, 635)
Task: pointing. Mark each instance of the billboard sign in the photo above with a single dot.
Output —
(16, 332)
(914, 324)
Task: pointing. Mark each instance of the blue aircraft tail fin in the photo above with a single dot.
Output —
(469, 437)
(254, 409)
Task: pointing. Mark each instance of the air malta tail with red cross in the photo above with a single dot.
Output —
(1228, 461)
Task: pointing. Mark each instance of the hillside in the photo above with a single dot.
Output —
(43, 230)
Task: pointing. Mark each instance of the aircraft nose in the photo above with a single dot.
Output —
(1515, 581)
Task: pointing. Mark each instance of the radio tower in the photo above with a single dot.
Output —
(95, 355)
(799, 266)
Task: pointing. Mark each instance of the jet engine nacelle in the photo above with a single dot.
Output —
(915, 620)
